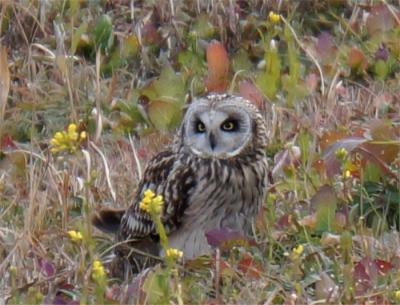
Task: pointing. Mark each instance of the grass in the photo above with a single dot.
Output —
(325, 74)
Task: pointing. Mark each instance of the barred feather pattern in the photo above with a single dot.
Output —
(202, 193)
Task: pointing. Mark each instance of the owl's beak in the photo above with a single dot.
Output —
(211, 138)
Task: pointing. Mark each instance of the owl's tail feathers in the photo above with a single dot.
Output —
(108, 220)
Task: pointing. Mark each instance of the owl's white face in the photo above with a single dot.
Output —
(217, 129)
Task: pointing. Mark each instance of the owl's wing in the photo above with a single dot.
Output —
(169, 178)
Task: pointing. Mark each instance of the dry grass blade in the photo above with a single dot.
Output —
(4, 81)
(106, 169)
(137, 161)
(311, 56)
(99, 122)
(89, 94)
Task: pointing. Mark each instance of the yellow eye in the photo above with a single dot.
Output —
(200, 127)
(228, 126)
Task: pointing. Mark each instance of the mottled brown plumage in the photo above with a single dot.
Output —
(213, 176)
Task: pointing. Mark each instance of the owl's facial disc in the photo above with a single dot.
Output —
(217, 133)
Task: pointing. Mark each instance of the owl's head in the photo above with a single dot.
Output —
(222, 126)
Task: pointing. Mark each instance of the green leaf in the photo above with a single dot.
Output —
(103, 33)
(157, 287)
(372, 172)
(74, 6)
(192, 62)
(346, 243)
(269, 80)
(241, 61)
(130, 47)
(325, 203)
(114, 62)
(164, 115)
(304, 140)
(203, 28)
(381, 69)
(77, 36)
(294, 69)
(166, 95)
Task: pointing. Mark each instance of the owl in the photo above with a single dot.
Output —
(213, 176)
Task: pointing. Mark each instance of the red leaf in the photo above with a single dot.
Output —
(46, 267)
(250, 92)
(7, 142)
(383, 266)
(284, 221)
(225, 238)
(381, 155)
(325, 46)
(330, 137)
(150, 34)
(249, 267)
(212, 301)
(311, 82)
(63, 295)
(319, 165)
(366, 273)
(362, 277)
(331, 163)
(357, 61)
(218, 67)
(223, 264)
(380, 20)
(382, 130)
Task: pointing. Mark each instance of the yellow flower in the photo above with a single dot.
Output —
(72, 128)
(347, 174)
(298, 250)
(151, 203)
(174, 253)
(58, 136)
(67, 140)
(149, 193)
(351, 166)
(397, 295)
(98, 271)
(83, 135)
(13, 269)
(273, 17)
(75, 235)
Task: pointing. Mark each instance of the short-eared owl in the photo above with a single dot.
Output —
(214, 175)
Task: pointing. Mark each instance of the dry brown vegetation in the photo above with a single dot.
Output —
(325, 73)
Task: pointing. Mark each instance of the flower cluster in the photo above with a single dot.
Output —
(174, 253)
(75, 235)
(273, 17)
(98, 272)
(350, 165)
(67, 140)
(341, 153)
(298, 251)
(151, 203)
